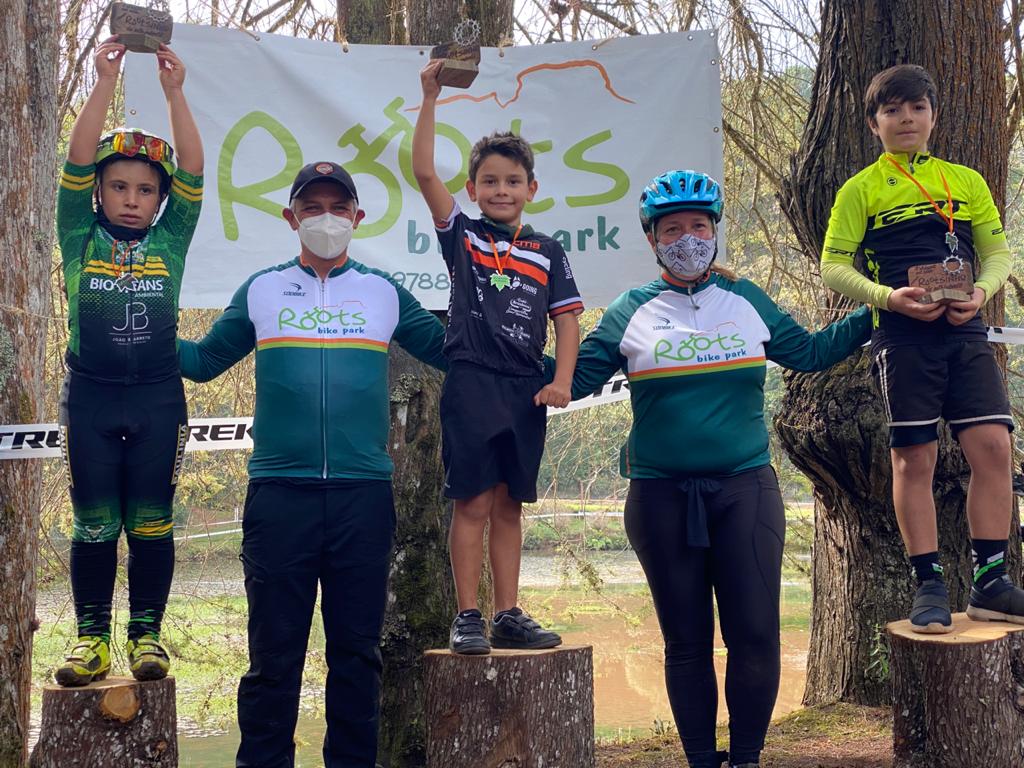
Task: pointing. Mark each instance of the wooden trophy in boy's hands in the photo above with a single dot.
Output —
(140, 28)
(952, 280)
(461, 57)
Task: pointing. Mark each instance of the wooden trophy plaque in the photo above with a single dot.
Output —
(952, 280)
(140, 29)
(461, 58)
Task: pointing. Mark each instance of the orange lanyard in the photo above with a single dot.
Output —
(508, 253)
(951, 239)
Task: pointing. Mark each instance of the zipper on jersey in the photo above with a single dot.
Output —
(693, 302)
(323, 380)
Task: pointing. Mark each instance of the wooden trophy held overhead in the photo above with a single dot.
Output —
(139, 28)
(952, 280)
(461, 57)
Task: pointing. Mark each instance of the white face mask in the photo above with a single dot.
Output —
(326, 235)
(689, 257)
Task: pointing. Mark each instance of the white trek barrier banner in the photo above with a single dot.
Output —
(603, 117)
(42, 441)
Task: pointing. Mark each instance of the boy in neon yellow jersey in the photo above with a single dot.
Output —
(931, 360)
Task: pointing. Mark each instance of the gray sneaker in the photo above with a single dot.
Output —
(930, 612)
(999, 600)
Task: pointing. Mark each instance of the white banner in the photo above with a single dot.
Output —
(42, 441)
(603, 118)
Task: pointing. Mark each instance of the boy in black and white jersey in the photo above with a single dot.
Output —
(507, 280)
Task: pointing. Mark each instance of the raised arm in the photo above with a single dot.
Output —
(85, 134)
(439, 199)
(184, 133)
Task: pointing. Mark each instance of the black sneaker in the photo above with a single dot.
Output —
(468, 634)
(708, 759)
(515, 629)
(930, 612)
(999, 600)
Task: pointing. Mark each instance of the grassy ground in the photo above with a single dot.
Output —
(836, 736)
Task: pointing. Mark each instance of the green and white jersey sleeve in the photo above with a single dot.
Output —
(696, 369)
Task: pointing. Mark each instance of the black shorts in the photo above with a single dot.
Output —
(491, 432)
(959, 381)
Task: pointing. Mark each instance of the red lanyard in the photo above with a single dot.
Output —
(935, 205)
(497, 258)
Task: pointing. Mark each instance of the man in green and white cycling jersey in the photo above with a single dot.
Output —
(319, 506)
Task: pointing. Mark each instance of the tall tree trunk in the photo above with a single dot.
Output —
(372, 22)
(831, 423)
(421, 595)
(28, 141)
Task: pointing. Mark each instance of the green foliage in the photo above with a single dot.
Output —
(878, 668)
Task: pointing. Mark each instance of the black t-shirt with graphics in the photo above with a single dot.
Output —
(503, 326)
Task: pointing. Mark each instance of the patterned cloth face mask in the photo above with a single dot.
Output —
(689, 257)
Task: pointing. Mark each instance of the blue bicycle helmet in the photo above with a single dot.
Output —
(680, 191)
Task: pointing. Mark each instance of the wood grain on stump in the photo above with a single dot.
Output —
(958, 698)
(116, 723)
(511, 709)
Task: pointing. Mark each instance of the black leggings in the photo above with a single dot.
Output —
(122, 447)
(746, 528)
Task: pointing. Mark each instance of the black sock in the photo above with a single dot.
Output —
(150, 570)
(989, 563)
(926, 567)
(93, 568)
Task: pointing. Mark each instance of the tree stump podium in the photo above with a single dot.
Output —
(115, 723)
(511, 709)
(958, 699)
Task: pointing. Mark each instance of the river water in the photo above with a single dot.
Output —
(618, 621)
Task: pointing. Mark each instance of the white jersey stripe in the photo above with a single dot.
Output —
(502, 245)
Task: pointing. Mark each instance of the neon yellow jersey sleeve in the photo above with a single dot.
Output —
(846, 227)
(845, 279)
(993, 257)
(989, 241)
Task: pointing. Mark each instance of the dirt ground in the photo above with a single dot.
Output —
(837, 736)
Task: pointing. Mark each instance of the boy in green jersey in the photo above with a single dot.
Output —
(123, 421)
(931, 360)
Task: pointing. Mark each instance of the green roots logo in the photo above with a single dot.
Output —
(318, 317)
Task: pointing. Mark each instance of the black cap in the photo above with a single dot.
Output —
(323, 171)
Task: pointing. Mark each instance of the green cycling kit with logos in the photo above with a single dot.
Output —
(322, 405)
(696, 370)
(123, 296)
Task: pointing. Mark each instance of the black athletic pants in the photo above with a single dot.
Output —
(122, 447)
(745, 524)
(297, 533)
